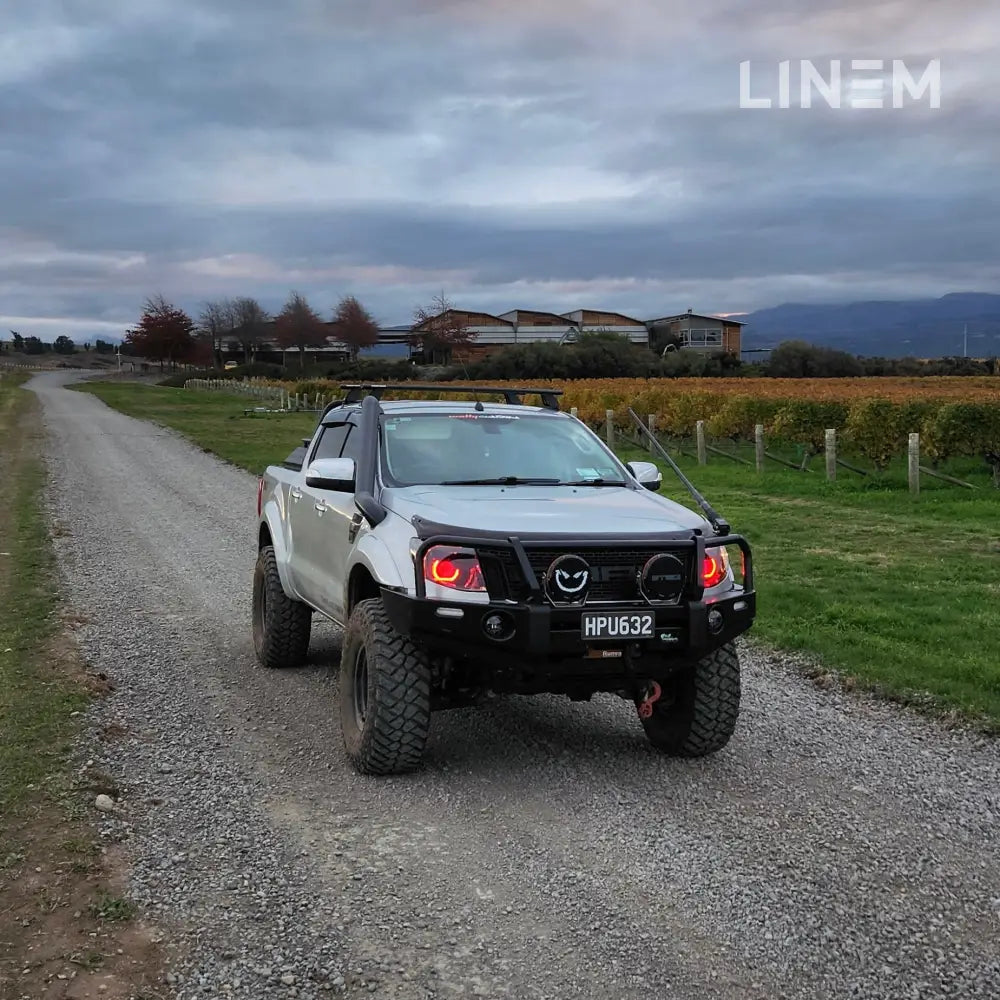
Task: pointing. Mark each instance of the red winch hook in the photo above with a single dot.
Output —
(645, 707)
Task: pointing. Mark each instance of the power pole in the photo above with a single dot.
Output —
(965, 341)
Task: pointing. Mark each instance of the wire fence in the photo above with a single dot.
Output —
(702, 449)
(281, 398)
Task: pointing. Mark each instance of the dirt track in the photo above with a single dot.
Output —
(837, 848)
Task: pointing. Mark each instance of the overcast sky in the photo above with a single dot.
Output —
(543, 153)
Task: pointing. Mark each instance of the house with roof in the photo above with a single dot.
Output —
(693, 332)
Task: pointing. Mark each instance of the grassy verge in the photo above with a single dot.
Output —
(61, 915)
(36, 700)
(898, 592)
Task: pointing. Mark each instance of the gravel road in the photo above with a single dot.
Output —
(837, 848)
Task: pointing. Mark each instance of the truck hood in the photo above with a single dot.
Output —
(583, 510)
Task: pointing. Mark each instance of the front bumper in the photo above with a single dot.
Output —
(543, 632)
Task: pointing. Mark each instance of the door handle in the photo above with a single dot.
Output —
(295, 493)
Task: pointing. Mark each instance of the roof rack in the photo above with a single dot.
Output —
(511, 395)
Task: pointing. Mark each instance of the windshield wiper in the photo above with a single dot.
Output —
(594, 481)
(501, 481)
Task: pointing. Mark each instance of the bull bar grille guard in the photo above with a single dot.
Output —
(431, 534)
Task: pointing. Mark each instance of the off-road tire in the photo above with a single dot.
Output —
(385, 694)
(281, 625)
(697, 712)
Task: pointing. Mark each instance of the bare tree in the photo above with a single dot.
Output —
(438, 329)
(298, 325)
(216, 321)
(250, 321)
(354, 325)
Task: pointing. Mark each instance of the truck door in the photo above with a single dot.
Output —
(306, 509)
(339, 521)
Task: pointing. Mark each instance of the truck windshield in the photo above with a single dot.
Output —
(490, 448)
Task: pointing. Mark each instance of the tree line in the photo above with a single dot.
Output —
(167, 334)
(61, 345)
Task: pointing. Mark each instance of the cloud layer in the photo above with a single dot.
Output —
(546, 153)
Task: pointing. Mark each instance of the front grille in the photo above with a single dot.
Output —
(615, 572)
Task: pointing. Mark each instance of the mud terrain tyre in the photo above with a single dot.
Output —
(385, 694)
(281, 626)
(697, 713)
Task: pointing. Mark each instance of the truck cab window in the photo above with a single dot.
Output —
(331, 441)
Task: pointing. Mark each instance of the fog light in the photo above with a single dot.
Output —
(715, 620)
(498, 626)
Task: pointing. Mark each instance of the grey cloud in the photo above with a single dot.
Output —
(103, 143)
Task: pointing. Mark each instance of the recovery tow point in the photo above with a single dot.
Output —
(652, 696)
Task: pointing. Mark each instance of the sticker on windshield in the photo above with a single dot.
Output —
(481, 416)
(588, 473)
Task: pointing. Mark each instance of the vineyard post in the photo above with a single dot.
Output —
(914, 463)
(573, 412)
(652, 430)
(831, 453)
(699, 430)
(609, 427)
(758, 442)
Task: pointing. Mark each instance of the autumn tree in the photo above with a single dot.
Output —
(250, 321)
(164, 333)
(216, 321)
(354, 325)
(438, 329)
(298, 326)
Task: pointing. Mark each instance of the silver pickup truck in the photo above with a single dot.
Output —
(476, 548)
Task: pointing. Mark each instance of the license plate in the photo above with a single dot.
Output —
(619, 625)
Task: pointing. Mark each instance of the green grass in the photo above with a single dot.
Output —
(899, 592)
(114, 909)
(212, 420)
(36, 699)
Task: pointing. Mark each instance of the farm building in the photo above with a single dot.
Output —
(690, 331)
(595, 321)
(490, 333)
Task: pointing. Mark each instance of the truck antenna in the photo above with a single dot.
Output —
(719, 524)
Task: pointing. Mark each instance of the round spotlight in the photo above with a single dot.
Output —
(662, 578)
(715, 621)
(498, 626)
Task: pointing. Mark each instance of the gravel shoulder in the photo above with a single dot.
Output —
(838, 847)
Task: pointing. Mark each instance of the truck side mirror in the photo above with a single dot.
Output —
(337, 474)
(647, 474)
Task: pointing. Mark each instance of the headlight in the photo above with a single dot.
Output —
(450, 571)
(715, 567)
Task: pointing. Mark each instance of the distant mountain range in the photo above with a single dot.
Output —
(923, 328)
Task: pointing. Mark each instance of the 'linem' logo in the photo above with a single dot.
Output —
(867, 91)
